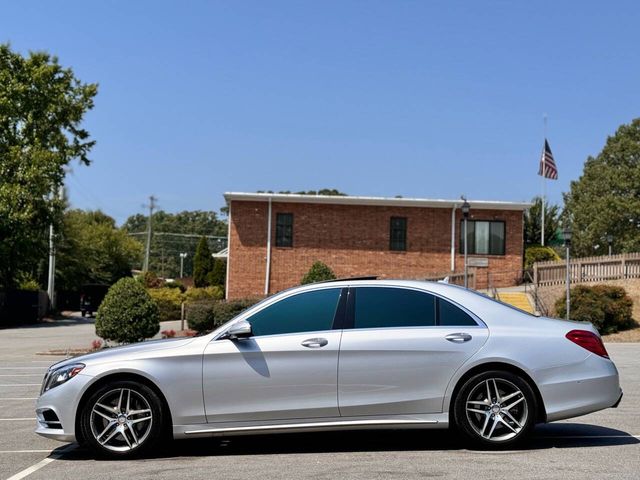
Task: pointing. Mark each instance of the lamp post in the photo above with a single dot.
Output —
(567, 234)
(183, 255)
(610, 242)
(465, 214)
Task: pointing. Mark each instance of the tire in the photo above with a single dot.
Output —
(122, 419)
(504, 420)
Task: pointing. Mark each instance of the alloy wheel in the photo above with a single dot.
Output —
(496, 409)
(121, 420)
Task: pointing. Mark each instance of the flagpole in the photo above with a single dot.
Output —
(544, 183)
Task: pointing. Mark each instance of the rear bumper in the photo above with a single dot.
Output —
(581, 388)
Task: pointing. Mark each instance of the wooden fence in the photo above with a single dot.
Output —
(588, 269)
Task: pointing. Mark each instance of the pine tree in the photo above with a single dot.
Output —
(202, 263)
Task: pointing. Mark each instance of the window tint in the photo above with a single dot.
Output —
(453, 316)
(284, 230)
(393, 307)
(398, 234)
(305, 312)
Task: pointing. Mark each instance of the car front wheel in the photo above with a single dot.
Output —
(495, 409)
(122, 419)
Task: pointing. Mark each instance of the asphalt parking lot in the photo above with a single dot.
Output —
(601, 445)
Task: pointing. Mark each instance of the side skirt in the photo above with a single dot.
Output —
(312, 425)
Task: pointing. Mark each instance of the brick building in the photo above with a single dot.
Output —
(275, 238)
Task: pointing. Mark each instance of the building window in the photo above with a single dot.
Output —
(398, 234)
(483, 237)
(284, 230)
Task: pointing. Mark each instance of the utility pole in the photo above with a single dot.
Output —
(51, 278)
(151, 206)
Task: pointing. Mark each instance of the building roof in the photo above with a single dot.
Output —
(375, 201)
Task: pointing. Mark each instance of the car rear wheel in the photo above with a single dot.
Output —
(495, 409)
(122, 419)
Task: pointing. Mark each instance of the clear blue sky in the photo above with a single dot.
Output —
(422, 98)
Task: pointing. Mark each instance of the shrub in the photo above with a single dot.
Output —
(207, 293)
(128, 313)
(319, 272)
(538, 253)
(150, 280)
(176, 284)
(168, 333)
(606, 306)
(206, 315)
(225, 311)
(200, 315)
(169, 301)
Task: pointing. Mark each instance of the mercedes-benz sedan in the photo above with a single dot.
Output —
(337, 355)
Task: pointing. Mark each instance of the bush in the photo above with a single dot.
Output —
(538, 253)
(207, 293)
(169, 301)
(150, 280)
(319, 272)
(606, 306)
(176, 284)
(200, 315)
(225, 311)
(128, 313)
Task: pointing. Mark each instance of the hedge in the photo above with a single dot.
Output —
(607, 307)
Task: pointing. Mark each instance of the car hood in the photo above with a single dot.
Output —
(112, 353)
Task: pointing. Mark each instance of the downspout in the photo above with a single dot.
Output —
(226, 283)
(453, 237)
(268, 266)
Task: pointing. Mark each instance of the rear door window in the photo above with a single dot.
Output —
(390, 307)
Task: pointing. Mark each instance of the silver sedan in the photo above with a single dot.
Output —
(337, 355)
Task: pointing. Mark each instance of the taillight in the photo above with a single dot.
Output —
(589, 341)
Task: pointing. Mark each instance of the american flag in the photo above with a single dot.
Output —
(547, 163)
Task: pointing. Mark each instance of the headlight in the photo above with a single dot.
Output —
(58, 376)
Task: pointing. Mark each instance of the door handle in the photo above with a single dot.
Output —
(458, 337)
(315, 342)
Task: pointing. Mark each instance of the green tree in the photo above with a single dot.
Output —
(128, 313)
(605, 199)
(42, 106)
(92, 250)
(218, 273)
(533, 223)
(202, 263)
(319, 272)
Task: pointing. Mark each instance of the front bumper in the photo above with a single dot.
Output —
(56, 409)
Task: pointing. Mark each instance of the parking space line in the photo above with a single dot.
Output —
(21, 385)
(42, 463)
(22, 368)
(25, 451)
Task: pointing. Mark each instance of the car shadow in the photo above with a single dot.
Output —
(564, 435)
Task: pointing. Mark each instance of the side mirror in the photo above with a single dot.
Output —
(241, 329)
